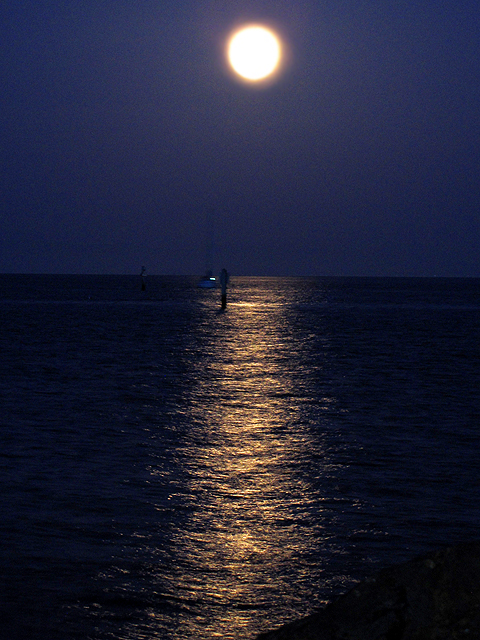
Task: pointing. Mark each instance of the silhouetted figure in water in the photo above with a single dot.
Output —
(224, 278)
(142, 275)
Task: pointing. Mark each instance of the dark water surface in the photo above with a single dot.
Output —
(171, 472)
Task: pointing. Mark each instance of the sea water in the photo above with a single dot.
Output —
(170, 471)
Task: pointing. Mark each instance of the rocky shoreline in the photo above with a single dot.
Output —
(433, 597)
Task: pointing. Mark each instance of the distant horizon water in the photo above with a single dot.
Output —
(238, 275)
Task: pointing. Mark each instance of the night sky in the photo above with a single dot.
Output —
(126, 141)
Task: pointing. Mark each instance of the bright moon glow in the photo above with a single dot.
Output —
(254, 52)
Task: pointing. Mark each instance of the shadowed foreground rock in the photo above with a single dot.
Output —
(433, 597)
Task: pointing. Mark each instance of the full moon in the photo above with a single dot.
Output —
(254, 52)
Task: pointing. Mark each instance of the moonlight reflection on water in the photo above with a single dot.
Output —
(248, 532)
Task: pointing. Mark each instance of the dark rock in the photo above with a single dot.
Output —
(433, 597)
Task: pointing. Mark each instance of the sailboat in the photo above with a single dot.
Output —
(208, 281)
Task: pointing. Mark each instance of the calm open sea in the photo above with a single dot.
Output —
(171, 472)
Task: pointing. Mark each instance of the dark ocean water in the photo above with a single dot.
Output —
(171, 472)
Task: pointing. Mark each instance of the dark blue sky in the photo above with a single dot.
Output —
(126, 142)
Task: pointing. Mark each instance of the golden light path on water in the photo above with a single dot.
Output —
(248, 525)
(242, 474)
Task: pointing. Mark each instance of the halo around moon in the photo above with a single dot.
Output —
(254, 52)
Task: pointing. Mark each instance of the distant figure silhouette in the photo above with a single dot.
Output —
(142, 275)
(224, 278)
